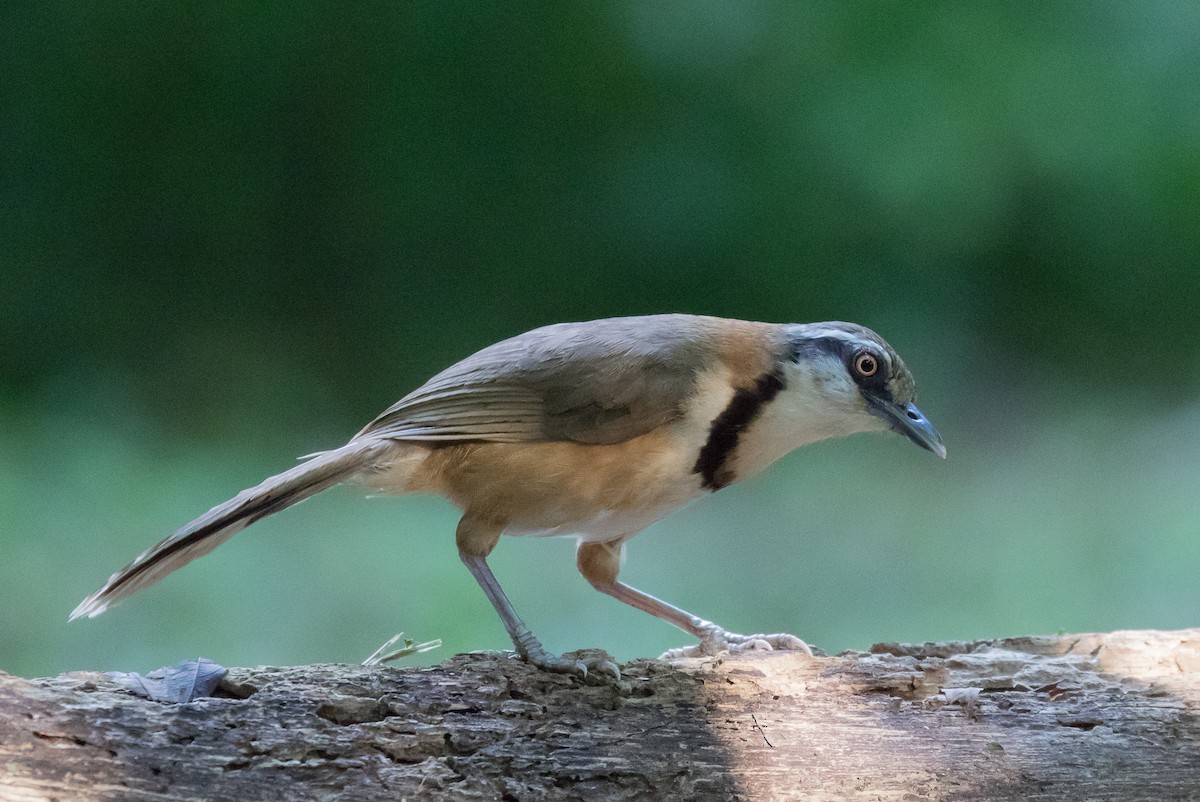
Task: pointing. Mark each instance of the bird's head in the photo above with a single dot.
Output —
(859, 380)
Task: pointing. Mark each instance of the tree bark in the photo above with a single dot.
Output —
(1099, 717)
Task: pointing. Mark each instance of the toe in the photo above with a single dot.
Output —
(682, 653)
(593, 666)
(555, 664)
(604, 667)
(752, 643)
(780, 641)
(559, 665)
(787, 643)
(719, 640)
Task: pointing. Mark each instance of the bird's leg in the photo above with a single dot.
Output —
(600, 562)
(472, 538)
(526, 643)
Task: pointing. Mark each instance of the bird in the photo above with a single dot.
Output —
(593, 430)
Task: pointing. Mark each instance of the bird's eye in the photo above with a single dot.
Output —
(866, 365)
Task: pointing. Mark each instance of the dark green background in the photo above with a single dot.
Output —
(232, 233)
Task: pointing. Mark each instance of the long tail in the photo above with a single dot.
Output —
(225, 520)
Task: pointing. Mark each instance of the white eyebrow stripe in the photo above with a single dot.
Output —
(848, 337)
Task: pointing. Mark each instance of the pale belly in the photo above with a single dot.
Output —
(594, 492)
(601, 526)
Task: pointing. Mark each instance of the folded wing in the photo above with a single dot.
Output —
(600, 382)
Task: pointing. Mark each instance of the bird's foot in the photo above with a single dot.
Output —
(600, 665)
(592, 666)
(716, 640)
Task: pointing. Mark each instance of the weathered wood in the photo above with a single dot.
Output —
(1098, 717)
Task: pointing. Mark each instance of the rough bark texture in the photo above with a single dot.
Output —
(1093, 717)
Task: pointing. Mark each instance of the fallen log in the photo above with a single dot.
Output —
(1101, 717)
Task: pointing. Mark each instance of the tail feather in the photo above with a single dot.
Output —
(224, 521)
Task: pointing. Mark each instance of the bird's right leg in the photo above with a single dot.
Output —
(476, 539)
(601, 562)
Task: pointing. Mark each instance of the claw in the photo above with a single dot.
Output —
(594, 669)
(604, 665)
(780, 641)
(558, 665)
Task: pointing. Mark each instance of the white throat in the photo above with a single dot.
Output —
(818, 402)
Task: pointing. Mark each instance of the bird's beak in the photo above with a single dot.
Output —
(907, 420)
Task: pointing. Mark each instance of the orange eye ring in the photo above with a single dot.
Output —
(866, 365)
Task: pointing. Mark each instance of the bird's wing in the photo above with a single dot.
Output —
(599, 382)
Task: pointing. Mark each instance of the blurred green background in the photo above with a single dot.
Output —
(230, 234)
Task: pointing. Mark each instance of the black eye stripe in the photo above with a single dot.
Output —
(847, 352)
(891, 379)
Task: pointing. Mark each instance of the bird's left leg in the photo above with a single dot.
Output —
(476, 538)
(601, 562)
